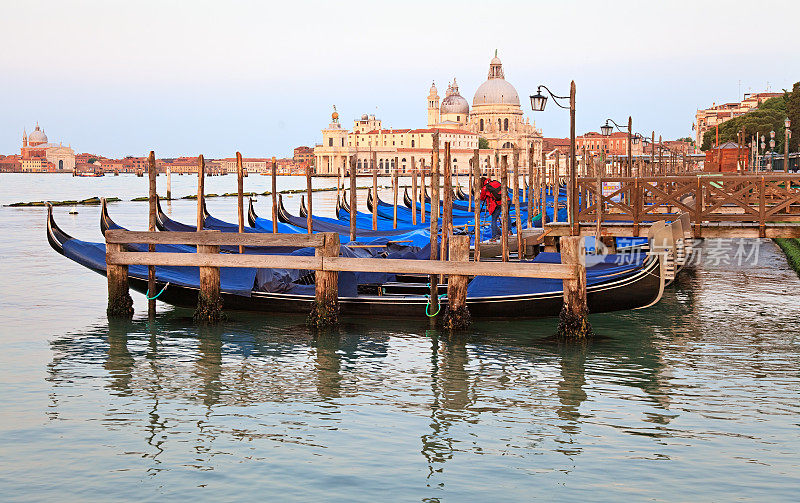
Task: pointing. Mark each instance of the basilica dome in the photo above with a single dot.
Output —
(37, 136)
(454, 103)
(496, 90)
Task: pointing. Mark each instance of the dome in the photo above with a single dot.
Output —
(496, 92)
(454, 103)
(37, 136)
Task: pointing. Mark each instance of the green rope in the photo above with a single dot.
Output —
(159, 293)
(438, 307)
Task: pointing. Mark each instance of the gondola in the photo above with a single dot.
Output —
(610, 286)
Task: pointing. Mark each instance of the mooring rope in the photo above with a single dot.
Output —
(159, 293)
(438, 307)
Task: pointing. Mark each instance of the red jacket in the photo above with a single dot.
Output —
(487, 196)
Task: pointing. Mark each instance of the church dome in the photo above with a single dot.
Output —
(454, 103)
(496, 90)
(37, 136)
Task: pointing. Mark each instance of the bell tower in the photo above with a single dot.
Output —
(433, 106)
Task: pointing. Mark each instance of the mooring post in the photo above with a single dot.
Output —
(310, 208)
(353, 199)
(456, 316)
(394, 189)
(325, 310)
(240, 194)
(447, 200)
(476, 207)
(151, 270)
(532, 186)
(274, 196)
(169, 185)
(374, 191)
(413, 192)
(422, 211)
(573, 322)
(201, 167)
(518, 218)
(434, 229)
(504, 206)
(543, 187)
(209, 300)
(120, 303)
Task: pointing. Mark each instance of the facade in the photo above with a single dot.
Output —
(711, 117)
(303, 156)
(614, 144)
(496, 116)
(35, 146)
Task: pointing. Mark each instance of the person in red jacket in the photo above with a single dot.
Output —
(490, 193)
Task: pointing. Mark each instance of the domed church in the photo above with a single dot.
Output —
(496, 113)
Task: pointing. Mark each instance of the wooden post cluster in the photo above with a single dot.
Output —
(574, 317)
(456, 316)
(325, 309)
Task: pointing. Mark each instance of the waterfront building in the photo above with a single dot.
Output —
(496, 117)
(709, 118)
(43, 156)
(303, 156)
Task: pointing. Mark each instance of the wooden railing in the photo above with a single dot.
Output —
(733, 198)
(326, 263)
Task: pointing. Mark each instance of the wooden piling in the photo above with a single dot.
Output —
(476, 195)
(201, 168)
(515, 170)
(573, 320)
(456, 316)
(209, 299)
(353, 199)
(310, 207)
(413, 192)
(532, 185)
(274, 196)
(543, 189)
(394, 190)
(325, 309)
(469, 183)
(504, 206)
(240, 194)
(169, 185)
(374, 191)
(422, 211)
(120, 303)
(433, 306)
(151, 270)
(447, 201)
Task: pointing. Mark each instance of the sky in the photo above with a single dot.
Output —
(122, 78)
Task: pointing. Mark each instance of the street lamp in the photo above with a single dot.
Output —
(606, 130)
(786, 124)
(538, 102)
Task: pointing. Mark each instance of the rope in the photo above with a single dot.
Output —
(438, 307)
(159, 293)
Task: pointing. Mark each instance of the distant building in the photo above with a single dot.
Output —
(303, 155)
(711, 117)
(496, 116)
(10, 164)
(43, 156)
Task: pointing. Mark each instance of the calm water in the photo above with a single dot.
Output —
(695, 399)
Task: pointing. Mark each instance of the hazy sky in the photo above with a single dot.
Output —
(123, 77)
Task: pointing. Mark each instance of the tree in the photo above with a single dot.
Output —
(483, 143)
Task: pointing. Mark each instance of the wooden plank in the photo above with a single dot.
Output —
(213, 238)
(437, 267)
(214, 260)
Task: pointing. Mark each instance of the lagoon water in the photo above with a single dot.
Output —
(695, 399)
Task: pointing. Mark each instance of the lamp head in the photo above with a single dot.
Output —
(538, 101)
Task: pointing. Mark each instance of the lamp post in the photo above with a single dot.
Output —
(771, 147)
(786, 125)
(606, 130)
(538, 102)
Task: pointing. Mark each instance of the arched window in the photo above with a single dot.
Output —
(61, 164)
(499, 124)
(505, 124)
(359, 164)
(481, 124)
(343, 142)
(330, 142)
(412, 143)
